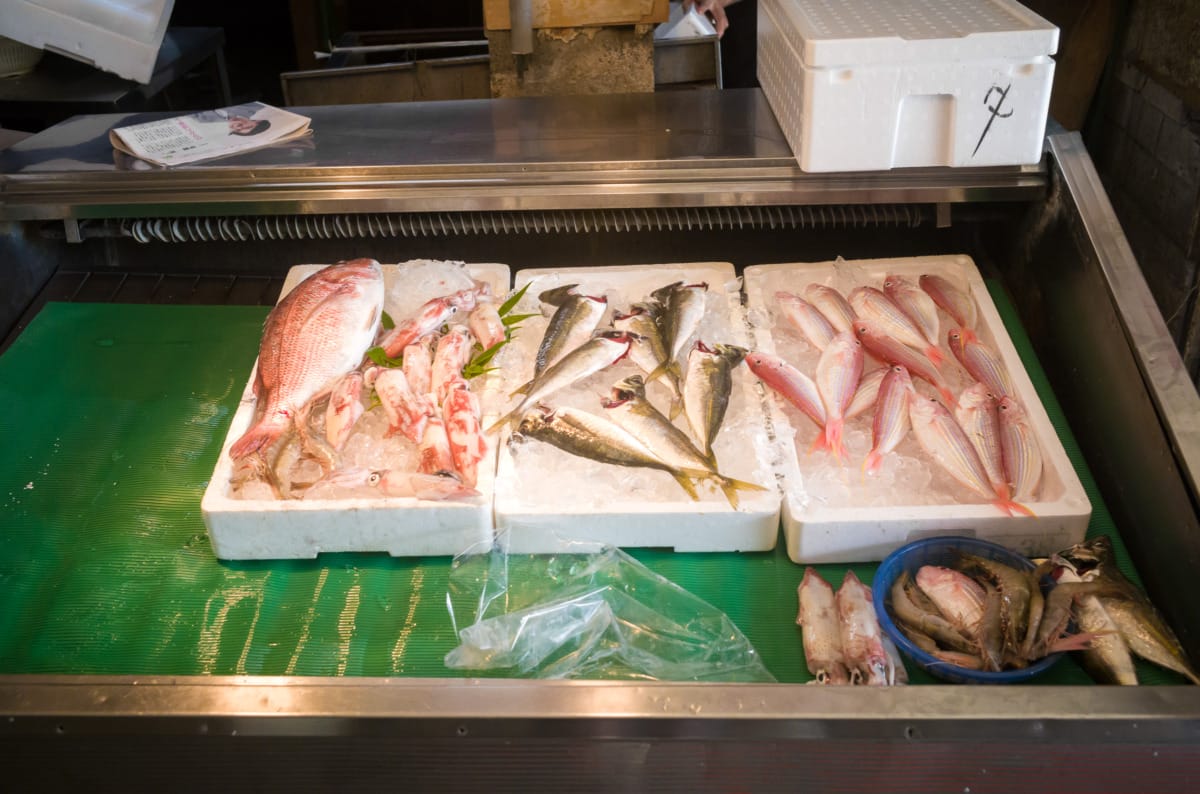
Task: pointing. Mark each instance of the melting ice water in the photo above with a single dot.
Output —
(547, 476)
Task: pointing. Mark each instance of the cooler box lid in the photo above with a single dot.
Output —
(829, 33)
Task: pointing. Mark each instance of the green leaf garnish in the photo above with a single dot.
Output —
(513, 319)
(513, 300)
(378, 355)
(386, 321)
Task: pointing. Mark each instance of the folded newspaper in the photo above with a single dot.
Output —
(209, 134)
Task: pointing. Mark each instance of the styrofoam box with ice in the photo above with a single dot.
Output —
(547, 499)
(861, 85)
(836, 513)
(257, 526)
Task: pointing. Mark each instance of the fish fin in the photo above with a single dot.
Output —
(969, 335)
(730, 487)
(522, 389)
(833, 438)
(935, 356)
(674, 409)
(1075, 642)
(687, 485)
(819, 443)
(658, 372)
(1014, 508)
(674, 370)
(503, 421)
(259, 437)
(947, 395)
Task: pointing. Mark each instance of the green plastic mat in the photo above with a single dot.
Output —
(113, 419)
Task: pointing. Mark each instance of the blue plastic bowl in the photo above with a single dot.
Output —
(943, 551)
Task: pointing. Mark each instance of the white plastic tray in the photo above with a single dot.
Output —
(861, 85)
(833, 514)
(244, 529)
(546, 511)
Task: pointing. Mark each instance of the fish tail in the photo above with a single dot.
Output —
(935, 356)
(872, 462)
(502, 421)
(259, 437)
(833, 438)
(686, 484)
(819, 442)
(730, 491)
(658, 372)
(675, 407)
(1009, 507)
(673, 370)
(522, 389)
(730, 486)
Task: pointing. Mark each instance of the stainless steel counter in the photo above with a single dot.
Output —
(672, 149)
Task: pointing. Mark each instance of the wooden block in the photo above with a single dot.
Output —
(580, 13)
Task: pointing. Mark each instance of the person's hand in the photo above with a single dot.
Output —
(713, 9)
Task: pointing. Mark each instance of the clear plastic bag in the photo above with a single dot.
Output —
(595, 614)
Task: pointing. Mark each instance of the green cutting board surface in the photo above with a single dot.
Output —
(114, 417)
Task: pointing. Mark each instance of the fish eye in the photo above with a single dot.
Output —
(374, 478)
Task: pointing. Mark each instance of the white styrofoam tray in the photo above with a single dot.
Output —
(547, 499)
(836, 514)
(858, 85)
(242, 529)
(119, 36)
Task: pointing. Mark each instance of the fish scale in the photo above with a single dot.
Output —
(317, 333)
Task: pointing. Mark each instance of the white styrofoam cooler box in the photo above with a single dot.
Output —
(250, 529)
(120, 36)
(549, 506)
(863, 85)
(835, 513)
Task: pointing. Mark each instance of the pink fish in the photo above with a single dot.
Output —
(433, 452)
(461, 413)
(977, 416)
(891, 416)
(486, 325)
(1020, 452)
(790, 383)
(418, 365)
(430, 317)
(838, 374)
(316, 334)
(862, 638)
(981, 361)
(344, 409)
(805, 318)
(881, 311)
(945, 442)
(888, 350)
(831, 304)
(916, 305)
(953, 301)
(820, 630)
(866, 393)
(406, 410)
(957, 596)
(452, 354)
